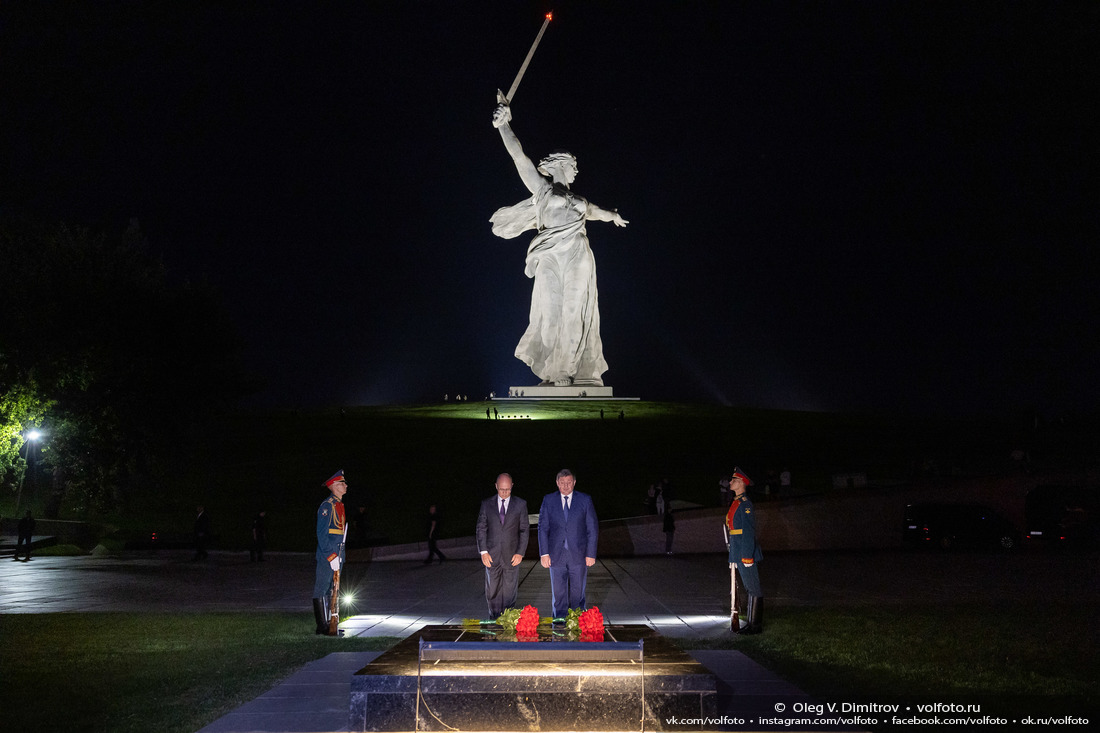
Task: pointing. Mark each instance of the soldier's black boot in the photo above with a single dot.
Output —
(756, 615)
(750, 602)
(319, 615)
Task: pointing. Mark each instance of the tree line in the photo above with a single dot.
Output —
(114, 362)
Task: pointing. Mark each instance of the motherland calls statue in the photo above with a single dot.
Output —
(562, 342)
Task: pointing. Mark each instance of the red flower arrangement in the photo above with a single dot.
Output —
(591, 625)
(528, 622)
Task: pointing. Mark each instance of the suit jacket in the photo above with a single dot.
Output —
(582, 530)
(502, 541)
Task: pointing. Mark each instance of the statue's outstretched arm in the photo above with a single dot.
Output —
(527, 171)
(595, 213)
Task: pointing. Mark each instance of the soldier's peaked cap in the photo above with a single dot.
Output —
(738, 473)
(338, 476)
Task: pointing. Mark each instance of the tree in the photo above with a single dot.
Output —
(22, 408)
(120, 362)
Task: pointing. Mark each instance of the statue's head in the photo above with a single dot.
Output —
(560, 165)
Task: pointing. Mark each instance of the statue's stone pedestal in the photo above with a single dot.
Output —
(551, 392)
(568, 691)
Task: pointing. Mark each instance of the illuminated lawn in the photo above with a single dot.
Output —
(1017, 656)
(179, 672)
(150, 672)
(588, 409)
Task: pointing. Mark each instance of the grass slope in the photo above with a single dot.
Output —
(401, 458)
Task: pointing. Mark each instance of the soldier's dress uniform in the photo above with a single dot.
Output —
(745, 553)
(330, 542)
(331, 521)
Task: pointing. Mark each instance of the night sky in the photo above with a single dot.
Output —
(869, 206)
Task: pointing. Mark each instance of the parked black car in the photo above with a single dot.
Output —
(949, 526)
(1065, 516)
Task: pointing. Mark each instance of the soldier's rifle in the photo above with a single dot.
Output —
(735, 620)
(334, 606)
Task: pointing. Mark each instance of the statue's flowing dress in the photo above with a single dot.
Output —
(562, 340)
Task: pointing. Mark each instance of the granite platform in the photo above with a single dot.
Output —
(451, 677)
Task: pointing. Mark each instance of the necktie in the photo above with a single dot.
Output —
(567, 498)
(502, 512)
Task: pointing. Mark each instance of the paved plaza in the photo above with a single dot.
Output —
(681, 595)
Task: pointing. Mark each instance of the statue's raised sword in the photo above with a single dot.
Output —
(507, 98)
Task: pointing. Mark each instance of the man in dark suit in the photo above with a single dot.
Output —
(568, 531)
(502, 531)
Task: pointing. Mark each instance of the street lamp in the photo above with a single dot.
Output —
(32, 437)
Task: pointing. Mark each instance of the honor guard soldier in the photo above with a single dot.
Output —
(744, 552)
(331, 533)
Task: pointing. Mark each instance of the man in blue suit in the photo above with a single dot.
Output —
(568, 531)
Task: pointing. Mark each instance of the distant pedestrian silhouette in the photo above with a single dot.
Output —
(431, 526)
(259, 537)
(202, 533)
(26, 532)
